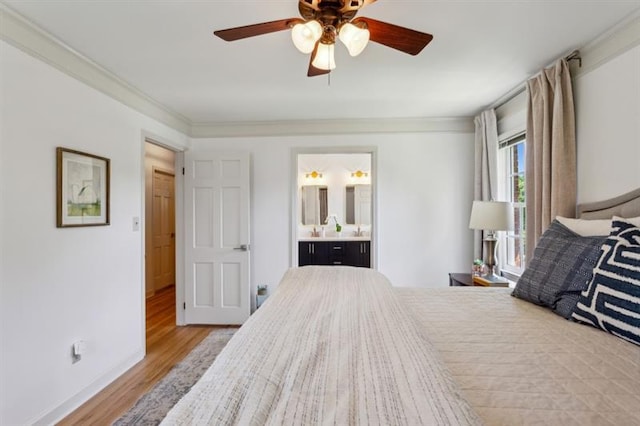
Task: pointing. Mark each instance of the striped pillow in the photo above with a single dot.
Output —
(612, 300)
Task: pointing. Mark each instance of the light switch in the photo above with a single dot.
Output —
(78, 348)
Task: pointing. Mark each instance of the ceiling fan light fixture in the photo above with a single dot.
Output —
(305, 36)
(325, 57)
(354, 38)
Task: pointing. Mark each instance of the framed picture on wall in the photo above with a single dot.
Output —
(82, 189)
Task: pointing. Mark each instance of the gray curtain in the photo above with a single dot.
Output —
(551, 151)
(486, 166)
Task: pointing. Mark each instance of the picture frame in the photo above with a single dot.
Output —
(82, 189)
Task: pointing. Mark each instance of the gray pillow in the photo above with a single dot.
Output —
(561, 268)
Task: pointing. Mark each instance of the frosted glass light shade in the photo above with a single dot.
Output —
(491, 216)
(325, 59)
(354, 38)
(306, 35)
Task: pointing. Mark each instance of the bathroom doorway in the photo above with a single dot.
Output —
(331, 187)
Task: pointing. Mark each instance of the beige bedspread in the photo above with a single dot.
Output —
(331, 346)
(520, 364)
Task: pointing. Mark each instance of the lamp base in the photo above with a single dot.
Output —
(489, 254)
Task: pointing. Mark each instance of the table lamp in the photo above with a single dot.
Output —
(491, 216)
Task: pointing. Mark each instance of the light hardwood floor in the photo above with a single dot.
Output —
(166, 346)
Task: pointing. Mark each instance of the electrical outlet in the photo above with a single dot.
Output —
(261, 295)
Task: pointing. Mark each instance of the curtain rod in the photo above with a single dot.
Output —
(573, 56)
(509, 95)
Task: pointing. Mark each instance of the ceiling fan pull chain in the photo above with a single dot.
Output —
(328, 62)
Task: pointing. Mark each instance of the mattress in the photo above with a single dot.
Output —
(521, 364)
(332, 346)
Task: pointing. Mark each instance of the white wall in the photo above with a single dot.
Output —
(61, 285)
(608, 128)
(424, 198)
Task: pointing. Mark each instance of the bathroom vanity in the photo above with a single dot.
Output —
(349, 251)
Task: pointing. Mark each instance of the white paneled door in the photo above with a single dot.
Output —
(163, 254)
(216, 237)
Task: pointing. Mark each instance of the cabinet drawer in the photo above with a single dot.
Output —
(338, 253)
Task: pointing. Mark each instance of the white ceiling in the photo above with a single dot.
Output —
(165, 48)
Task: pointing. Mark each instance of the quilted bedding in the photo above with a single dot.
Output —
(521, 364)
(333, 345)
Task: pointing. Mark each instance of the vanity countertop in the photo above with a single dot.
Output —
(335, 238)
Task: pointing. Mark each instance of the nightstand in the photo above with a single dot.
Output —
(459, 279)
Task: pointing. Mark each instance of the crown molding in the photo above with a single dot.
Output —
(617, 40)
(333, 127)
(614, 42)
(28, 37)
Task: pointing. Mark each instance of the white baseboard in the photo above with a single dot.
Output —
(67, 407)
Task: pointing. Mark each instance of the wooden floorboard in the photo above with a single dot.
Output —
(167, 345)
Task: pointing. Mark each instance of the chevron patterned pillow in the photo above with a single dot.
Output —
(612, 299)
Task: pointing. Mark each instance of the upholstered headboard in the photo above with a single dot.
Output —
(625, 205)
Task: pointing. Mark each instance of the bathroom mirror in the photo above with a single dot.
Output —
(358, 205)
(314, 204)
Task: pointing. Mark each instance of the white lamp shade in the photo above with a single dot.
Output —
(354, 38)
(306, 35)
(491, 216)
(324, 59)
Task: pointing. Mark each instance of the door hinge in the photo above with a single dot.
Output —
(184, 305)
(183, 171)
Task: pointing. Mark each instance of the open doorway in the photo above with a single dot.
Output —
(334, 206)
(160, 234)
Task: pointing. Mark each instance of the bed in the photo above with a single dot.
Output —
(341, 345)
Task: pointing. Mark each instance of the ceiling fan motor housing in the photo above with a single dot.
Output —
(328, 12)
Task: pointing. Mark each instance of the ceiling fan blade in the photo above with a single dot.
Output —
(399, 38)
(313, 71)
(232, 34)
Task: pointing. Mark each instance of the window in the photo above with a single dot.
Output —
(511, 170)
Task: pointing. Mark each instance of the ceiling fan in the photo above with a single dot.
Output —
(325, 20)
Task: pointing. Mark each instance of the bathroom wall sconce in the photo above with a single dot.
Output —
(359, 174)
(313, 175)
